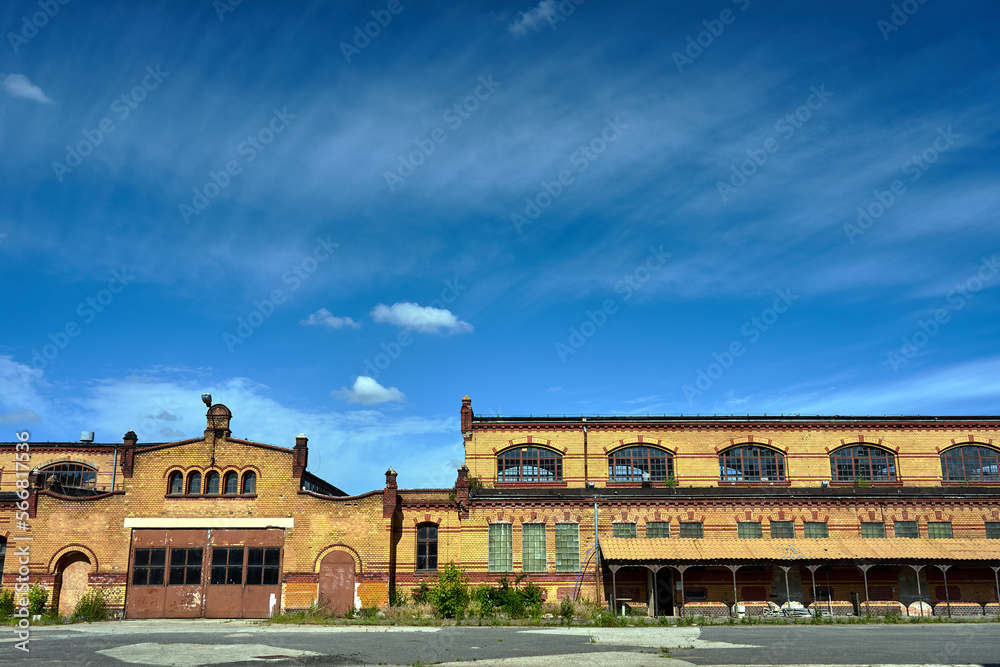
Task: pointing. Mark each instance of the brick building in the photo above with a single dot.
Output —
(652, 512)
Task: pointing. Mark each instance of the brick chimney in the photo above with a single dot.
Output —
(300, 455)
(128, 453)
(389, 496)
(462, 492)
(467, 418)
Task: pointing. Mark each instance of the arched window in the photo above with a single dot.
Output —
(864, 463)
(230, 483)
(751, 463)
(250, 483)
(971, 463)
(176, 485)
(212, 483)
(632, 463)
(427, 546)
(194, 482)
(529, 464)
(71, 474)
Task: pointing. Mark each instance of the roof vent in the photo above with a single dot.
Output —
(86, 436)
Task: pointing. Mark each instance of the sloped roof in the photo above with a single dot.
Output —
(667, 549)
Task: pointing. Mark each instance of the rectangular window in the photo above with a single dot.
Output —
(501, 547)
(227, 566)
(906, 529)
(149, 567)
(185, 566)
(263, 566)
(815, 529)
(872, 529)
(691, 529)
(657, 529)
(748, 529)
(939, 529)
(533, 547)
(623, 530)
(427, 547)
(993, 530)
(567, 547)
(783, 529)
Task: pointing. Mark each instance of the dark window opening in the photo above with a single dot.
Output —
(862, 463)
(250, 483)
(230, 483)
(212, 483)
(71, 474)
(176, 483)
(227, 566)
(971, 464)
(751, 464)
(427, 547)
(149, 566)
(185, 566)
(529, 464)
(263, 566)
(640, 463)
(194, 482)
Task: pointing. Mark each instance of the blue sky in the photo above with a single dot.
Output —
(599, 208)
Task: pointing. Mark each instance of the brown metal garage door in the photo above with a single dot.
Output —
(215, 573)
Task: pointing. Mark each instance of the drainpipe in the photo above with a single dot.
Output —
(586, 475)
(114, 469)
(597, 553)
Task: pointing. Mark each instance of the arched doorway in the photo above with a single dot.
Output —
(72, 575)
(336, 582)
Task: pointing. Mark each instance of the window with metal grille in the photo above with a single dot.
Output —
(905, 529)
(623, 530)
(427, 546)
(185, 566)
(567, 547)
(632, 463)
(230, 483)
(872, 529)
(148, 567)
(529, 465)
(657, 529)
(176, 483)
(501, 547)
(993, 530)
(227, 566)
(691, 529)
(815, 529)
(263, 566)
(71, 474)
(212, 483)
(194, 482)
(748, 529)
(783, 529)
(533, 547)
(862, 463)
(939, 529)
(249, 483)
(971, 463)
(751, 463)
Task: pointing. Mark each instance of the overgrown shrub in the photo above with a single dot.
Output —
(566, 609)
(37, 597)
(92, 606)
(6, 604)
(397, 597)
(421, 594)
(451, 595)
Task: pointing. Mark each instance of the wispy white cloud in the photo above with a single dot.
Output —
(546, 13)
(324, 318)
(422, 319)
(20, 401)
(368, 391)
(18, 85)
